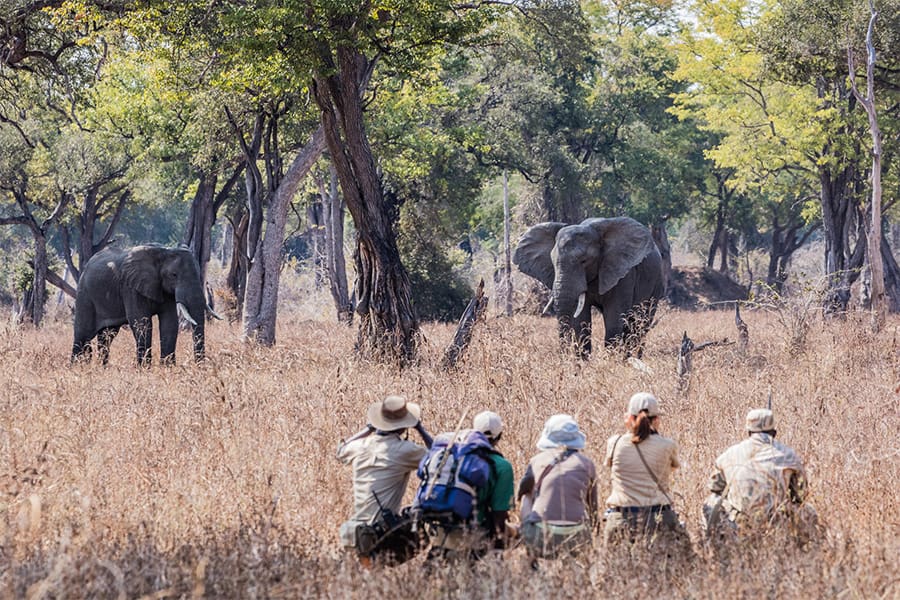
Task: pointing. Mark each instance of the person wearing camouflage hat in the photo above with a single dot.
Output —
(756, 481)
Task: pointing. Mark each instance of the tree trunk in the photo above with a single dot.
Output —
(236, 281)
(315, 217)
(389, 328)
(507, 265)
(261, 307)
(198, 233)
(873, 232)
(335, 262)
(34, 310)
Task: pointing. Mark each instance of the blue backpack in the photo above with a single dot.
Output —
(452, 472)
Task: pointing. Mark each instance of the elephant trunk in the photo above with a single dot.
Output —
(569, 294)
(191, 305)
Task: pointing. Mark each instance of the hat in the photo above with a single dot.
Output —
(394, 412)
(489, 423)
(644, 401)
(760, 419)
(561, 431)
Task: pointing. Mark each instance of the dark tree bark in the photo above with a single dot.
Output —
(786, 239)
(98, 206)
(236, 280)
(839, 219)
(720, 242)
(32, 309)
(335, 262)
(205, 208)
(389, 327)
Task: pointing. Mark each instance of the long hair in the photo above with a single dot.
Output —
(643, 427)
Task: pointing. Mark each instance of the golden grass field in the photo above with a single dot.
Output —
(219, 479)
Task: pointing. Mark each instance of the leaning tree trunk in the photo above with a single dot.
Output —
(265, 269)
(389, 327)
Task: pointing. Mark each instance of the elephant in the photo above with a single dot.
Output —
(119, 286)
(612, 264)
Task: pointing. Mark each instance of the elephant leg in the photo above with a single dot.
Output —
(104, 339)
(583, 334)
(81, 350)
(168, 335)
(576, 334)
(84, 332)
(142, 328)
(637, 324)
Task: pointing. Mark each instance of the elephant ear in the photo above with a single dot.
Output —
(533, 251)
(140, 271)
(625, 244)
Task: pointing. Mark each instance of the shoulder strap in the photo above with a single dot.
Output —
(559, 458)
(650, 471)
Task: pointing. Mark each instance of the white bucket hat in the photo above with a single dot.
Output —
(394, 412)
(561, 431)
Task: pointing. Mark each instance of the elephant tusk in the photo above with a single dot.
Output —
(580, 306)
(184, 314)
(548, 309)
(213, 313)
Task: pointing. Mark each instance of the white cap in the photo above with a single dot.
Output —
(489, 423)
(643, 401)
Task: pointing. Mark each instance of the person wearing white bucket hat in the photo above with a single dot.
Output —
(757, 482)
(382, 461)
(558, 492)
(641, 464)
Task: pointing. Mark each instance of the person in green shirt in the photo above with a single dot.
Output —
(495, 500)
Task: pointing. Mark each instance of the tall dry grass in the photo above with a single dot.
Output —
(219, 479)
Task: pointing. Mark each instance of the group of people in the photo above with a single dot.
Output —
(466, 487)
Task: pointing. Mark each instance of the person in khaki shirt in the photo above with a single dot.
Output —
(641, 464)
(757, 481)
(382, 461)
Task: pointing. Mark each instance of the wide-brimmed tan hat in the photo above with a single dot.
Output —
(760, 419)
(394, 412)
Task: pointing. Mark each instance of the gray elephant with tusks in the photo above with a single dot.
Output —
(119, 286)
(612, 264)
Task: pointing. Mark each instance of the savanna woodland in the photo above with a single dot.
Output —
(345, 173)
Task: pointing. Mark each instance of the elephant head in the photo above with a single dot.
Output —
(583, 264)
(163, 274)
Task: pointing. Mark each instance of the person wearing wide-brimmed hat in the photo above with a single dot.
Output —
(758, 481)
(641, 464)
(382, 461)
(558, 492)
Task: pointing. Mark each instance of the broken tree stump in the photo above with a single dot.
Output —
(743, 330)
(467, 321)
(685, 357)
